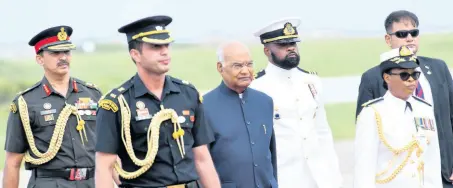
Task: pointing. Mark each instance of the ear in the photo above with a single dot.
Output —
(219, 67)
(387, 78)
(388, 40)
(39, 59)
(135, 55)
(267, 51)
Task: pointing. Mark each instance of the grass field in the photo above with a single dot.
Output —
(112, 66)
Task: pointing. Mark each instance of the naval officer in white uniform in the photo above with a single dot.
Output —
(396, 144)
(305, 153)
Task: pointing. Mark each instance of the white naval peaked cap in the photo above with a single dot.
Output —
(283, 30)
(396, 52)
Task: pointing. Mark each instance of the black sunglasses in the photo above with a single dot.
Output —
(403, 33)
(405, 75)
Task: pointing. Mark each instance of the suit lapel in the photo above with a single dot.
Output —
(429, 72)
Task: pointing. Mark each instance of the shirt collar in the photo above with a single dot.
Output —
(279, 72)
(47, 88)
(140, 88)
(226, 90)
(399, 104)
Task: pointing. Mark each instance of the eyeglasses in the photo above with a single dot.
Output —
(403, 33)
(239, 66)
(405, 75)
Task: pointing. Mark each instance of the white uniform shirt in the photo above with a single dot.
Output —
(399, 126)
(305, 153)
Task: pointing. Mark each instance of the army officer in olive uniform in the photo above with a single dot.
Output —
(153, 122)
(52, 124)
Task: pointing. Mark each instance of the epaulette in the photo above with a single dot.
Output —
(87, 84)
(308, 72)
(260, 73)
(182, 82)
(123, 88)
(372, 101)
(107, 101)
(421, 100)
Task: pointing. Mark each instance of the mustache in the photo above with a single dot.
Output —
(292, 53)
(62, 63)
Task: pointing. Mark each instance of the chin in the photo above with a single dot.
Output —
(62, 72)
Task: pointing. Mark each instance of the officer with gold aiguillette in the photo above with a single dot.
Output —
(153, 122)
(51, 124)
(396, 142)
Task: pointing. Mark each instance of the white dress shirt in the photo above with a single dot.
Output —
(428, 96)
(306, 157)
(390, 120)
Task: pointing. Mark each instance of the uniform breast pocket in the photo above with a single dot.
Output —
(89, 120)
(44, 125)
(139, 132)
(187, 125)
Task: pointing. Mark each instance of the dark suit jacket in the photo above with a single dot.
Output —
(243, 152)
(440, 80)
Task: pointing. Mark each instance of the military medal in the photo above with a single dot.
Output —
(142, 112)
(47, 106)
(181, 119)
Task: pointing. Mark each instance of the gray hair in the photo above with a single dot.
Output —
(220, 50)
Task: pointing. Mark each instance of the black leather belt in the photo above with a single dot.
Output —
(192, 184)
(72, 174)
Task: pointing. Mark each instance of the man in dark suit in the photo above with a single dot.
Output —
(242, 119)
(435, 84)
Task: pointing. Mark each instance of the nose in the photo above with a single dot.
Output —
(164, 50)
(64, 56)
(409, 38)
(291, 48)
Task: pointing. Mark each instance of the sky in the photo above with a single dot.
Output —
(197, 21)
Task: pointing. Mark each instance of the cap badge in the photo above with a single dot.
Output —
(288, 30)
(404, 51)
(62, 35)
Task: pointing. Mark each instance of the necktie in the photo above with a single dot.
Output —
(419, 91)
(408, 106)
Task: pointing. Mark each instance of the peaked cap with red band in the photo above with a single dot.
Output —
(54, 39)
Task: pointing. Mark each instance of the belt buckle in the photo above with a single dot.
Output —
(78, 174)
(177, 186)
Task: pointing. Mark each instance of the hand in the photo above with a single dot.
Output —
(451, 178)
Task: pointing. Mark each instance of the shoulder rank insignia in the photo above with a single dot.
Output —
(421, 100)
(308, 72)
(108, 104)
(372, 101)
(312, 72)
(13, 107)
(260, 73)
(185, 82)
(91, 85)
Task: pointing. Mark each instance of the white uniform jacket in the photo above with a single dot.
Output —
(396, 145)
(306, 157)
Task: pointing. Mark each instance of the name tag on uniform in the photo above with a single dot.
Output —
(140, 118)
(45, 112)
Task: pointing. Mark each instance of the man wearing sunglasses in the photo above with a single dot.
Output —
(434, 86)
(396, 142)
